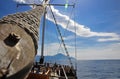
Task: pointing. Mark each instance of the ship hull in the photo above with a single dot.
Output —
(43, 76)
(37, 76)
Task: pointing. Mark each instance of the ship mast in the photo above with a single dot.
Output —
(43, 34)
(41, 61)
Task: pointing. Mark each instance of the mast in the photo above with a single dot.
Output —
(41, 61)
(43, 34)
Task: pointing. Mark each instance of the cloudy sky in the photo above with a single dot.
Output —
(97, 25)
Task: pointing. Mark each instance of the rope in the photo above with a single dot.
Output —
(75, 1)
(67, 26)
(75, 43)
(61, 38)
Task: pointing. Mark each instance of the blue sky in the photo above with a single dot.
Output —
(97, 23)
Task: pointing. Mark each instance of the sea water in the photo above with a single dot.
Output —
(98, 69)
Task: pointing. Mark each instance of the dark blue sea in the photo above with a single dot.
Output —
(98, 69)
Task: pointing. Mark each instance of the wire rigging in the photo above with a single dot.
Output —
(61, 37)
(75, 1)
(67, 25)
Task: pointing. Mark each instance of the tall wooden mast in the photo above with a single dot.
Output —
(19, 42)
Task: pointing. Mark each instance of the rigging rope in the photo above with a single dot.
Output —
(75, 1)
(75, 41)
(61, 38)
(72, 11)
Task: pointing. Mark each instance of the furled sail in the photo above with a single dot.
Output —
(18, 42)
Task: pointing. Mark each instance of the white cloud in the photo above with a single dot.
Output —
(29, 1)
(50, 49)
(108, 39)
(54, 48)
(81, 30)
(20, 1)
(69, 37)
(110, 51)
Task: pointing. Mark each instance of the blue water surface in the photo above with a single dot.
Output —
(98, 69)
